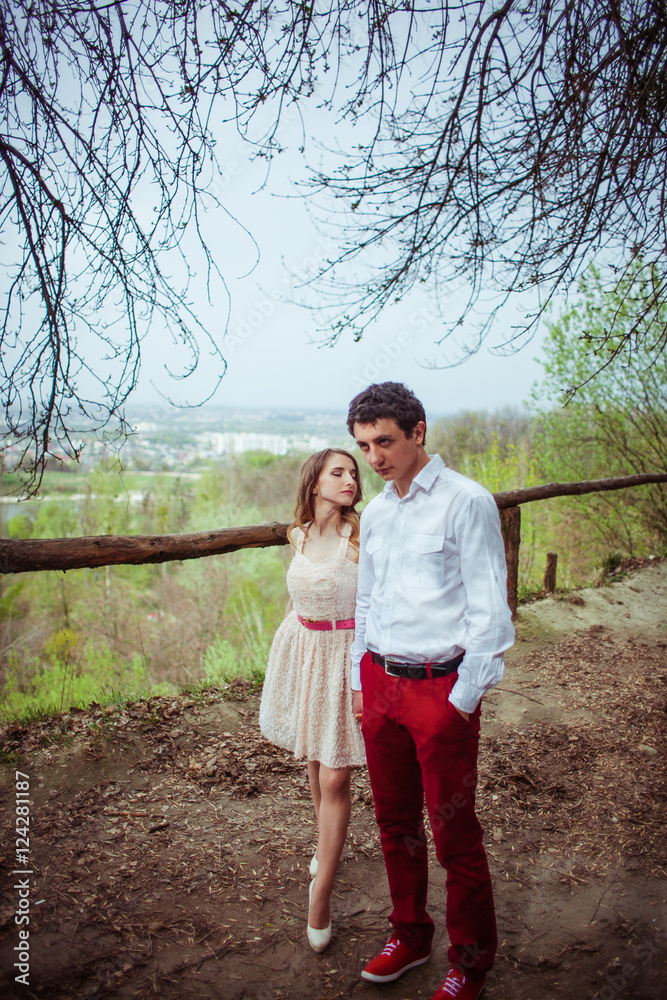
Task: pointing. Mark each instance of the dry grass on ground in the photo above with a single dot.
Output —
(170, 846)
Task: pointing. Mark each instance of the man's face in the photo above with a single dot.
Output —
(387, 449)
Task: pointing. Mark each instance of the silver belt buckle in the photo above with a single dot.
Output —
(390, 661)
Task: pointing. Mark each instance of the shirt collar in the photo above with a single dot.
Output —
(423, 480)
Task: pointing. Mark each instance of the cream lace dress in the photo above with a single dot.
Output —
(307, 699)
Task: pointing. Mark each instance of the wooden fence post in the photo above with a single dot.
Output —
(550, 572)
(510, 523)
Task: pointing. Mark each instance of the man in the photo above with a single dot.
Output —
(432, 623)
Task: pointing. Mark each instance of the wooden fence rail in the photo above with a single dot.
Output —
(26, 555)
(509, 505)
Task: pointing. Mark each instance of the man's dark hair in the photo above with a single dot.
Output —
(386, 399)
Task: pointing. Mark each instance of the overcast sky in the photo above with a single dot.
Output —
(275, 357)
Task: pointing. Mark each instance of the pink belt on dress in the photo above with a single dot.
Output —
(324, 626)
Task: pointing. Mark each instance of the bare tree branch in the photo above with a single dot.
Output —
(504, 147)
(539, 146)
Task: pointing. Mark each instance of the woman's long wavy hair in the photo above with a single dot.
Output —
(304, 508)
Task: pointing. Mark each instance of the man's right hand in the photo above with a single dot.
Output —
(357, 704)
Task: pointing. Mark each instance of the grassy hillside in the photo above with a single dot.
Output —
(94, 635)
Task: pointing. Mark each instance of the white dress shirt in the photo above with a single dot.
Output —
(433, 580)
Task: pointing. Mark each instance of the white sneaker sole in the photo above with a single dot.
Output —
(372, 978)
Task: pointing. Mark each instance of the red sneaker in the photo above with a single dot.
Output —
(394, 959)
(458, 987)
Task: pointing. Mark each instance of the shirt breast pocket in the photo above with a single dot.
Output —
(375, 549)
(423, 562)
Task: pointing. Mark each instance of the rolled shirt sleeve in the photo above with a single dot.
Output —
(489, 629)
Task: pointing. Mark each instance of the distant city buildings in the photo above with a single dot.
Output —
(238, 442)
(164, 439)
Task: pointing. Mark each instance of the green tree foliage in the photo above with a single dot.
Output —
(68, 637)
(458, 437)
(616, 422)
(497, 450)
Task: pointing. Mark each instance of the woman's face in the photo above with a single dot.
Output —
(338, 481)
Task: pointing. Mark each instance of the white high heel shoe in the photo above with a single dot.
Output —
(319, 938)
(312, 868)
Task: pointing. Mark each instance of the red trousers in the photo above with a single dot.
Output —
(419, 747)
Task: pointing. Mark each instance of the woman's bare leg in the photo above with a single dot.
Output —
(334, 817)
(315, 790)
(314, 782)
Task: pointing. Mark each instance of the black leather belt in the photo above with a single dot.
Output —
(417, 671)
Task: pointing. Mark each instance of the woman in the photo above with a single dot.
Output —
(307, 700)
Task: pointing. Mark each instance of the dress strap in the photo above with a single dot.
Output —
(297, 537)
(346, 531)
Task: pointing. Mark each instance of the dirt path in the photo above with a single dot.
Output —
(169, 843)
